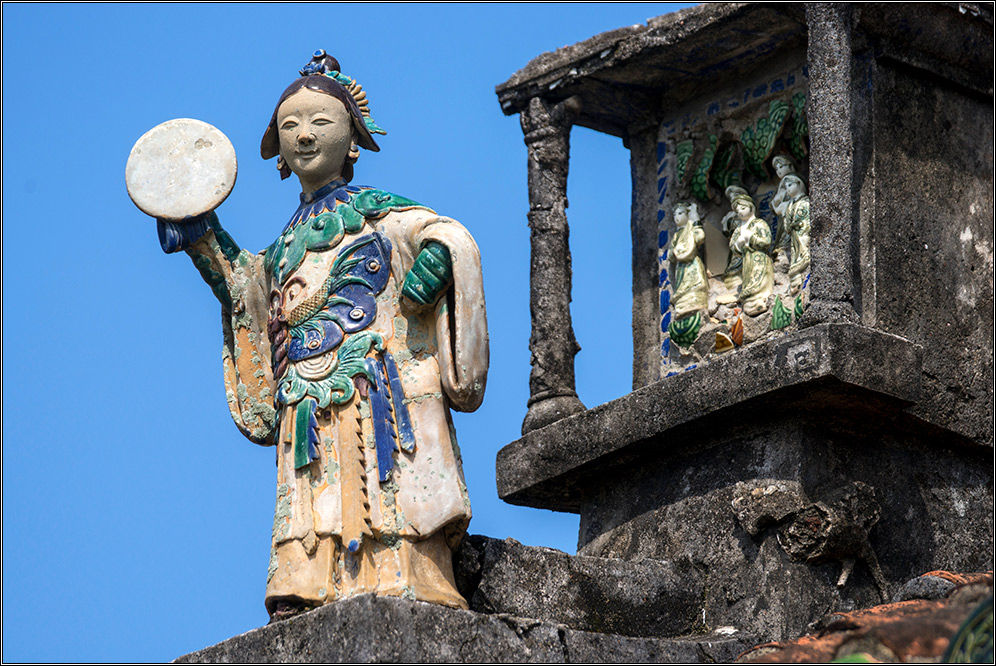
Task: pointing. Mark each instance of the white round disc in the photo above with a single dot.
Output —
(183, 167)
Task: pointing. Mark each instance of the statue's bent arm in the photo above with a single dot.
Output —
(238, 280)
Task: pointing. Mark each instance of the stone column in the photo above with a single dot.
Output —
(552, 395)
(835, 290)
(644, 229)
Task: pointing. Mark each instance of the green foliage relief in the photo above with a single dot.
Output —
(684, 331)
(759, 139)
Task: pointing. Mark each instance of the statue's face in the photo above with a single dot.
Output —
(794, 188)
(782, 167)
(744, 211)
(680, 215)
(316, 132)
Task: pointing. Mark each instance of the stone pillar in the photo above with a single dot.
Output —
(552, 395)
(835, 290)
(644, 230)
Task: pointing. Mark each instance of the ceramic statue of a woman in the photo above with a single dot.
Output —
(729, 224)
(346, 343)
(780, 201)
(751, 241)
(691, 286)
(796, 216)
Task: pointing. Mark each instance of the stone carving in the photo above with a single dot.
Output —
(753, 252)
(346, 342)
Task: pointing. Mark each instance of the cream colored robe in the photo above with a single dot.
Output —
(441, 351)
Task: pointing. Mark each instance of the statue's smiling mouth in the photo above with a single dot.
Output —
(306, 154)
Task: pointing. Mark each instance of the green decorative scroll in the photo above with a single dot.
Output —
(700, 180)
(973, 642)
(684, 153)
(781, 316)
(337, 387)
(378, 203)
(684, 331)
(759, 139)
(324, 231)
(724, 169)
(798, 307)
(799, 129)
(305, 430)
(315, 234)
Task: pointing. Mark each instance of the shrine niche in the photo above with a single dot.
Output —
(733, 214)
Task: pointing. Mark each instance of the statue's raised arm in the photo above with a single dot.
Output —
(347, 341)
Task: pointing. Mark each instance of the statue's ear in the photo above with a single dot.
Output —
(351, 156)
(354, 148)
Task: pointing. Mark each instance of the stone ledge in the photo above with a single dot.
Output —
(639, 598)
(619, 74)
(674, 52)
(368, 629)
(846, 370)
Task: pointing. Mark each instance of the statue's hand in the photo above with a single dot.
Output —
(430, 275)
(179, 235)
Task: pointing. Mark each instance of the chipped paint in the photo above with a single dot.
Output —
(425, 396)
(271, 568)
(282, 514)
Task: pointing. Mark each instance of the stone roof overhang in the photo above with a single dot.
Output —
(621, 75)
(626, 77)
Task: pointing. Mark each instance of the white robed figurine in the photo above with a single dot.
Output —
(347, 342)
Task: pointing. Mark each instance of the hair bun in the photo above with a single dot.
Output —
(320, 63)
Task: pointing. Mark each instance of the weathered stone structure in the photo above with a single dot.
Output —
(877, 399)
(770, 468)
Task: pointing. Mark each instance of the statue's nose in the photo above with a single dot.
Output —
(306, 138)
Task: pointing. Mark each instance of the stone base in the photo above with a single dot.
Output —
(790, 521)
(794, 476)
(641, 598)
(368, 629)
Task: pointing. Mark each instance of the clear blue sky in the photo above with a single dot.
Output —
(136, 519)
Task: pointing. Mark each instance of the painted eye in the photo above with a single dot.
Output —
(356, 314)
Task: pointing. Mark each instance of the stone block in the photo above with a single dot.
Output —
(639, 598)
(775, 569)
(725, 469)
(585, 648)
(369, 629)
(847, 371)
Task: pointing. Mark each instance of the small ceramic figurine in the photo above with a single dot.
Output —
(730, 224)
(691, 288)
(751, 241)
(796, 217)
(346, 344)
(783, 168)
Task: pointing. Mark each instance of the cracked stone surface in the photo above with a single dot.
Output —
(386, 629)
(640, 598)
